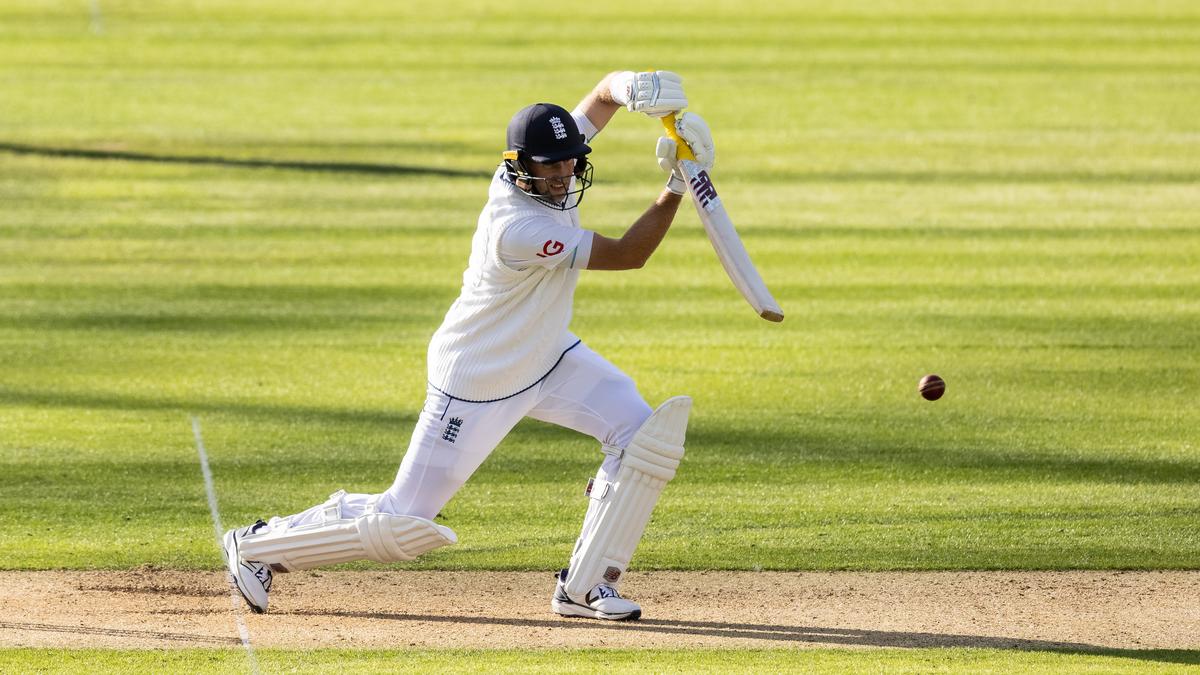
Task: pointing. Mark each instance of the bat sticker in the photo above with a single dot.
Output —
(706, 193)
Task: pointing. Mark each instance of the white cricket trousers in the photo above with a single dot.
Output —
(583, 392)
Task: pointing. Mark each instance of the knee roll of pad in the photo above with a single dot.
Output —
(625, 504)
(382, 537)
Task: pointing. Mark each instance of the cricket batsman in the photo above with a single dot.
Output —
(504, 352)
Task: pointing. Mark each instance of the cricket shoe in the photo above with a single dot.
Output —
(602, 602)
(252, 579)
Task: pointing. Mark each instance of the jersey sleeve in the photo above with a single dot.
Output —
(585, 125)
(545, 243)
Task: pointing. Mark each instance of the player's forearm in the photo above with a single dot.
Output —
(642, 238)
(599, 105)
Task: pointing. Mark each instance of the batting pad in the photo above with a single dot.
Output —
(382, 537)
(648, 464)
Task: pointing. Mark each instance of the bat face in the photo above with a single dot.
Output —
(720, 230)
(727, 243)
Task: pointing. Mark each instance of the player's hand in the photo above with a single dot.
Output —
(655, 93)
(693, 129)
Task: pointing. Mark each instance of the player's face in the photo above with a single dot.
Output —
(557, 175)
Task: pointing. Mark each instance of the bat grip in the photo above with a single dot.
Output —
(682, 149)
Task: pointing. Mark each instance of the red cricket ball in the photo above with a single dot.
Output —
(931, 387)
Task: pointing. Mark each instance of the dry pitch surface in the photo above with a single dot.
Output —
(1022, 610)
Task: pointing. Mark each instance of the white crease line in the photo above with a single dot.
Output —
(97, 17)
(218, 531)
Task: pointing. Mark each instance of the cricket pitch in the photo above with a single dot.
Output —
(1054, 611)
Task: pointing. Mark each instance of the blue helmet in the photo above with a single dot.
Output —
(546, 133)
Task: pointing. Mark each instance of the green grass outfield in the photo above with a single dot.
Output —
(257, 213)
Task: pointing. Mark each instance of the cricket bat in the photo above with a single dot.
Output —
(721, 233)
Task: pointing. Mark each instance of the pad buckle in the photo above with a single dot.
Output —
(597, 489)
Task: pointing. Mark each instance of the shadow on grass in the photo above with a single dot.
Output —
(909, 456)
(1146, 177)
(919, 454)
(813, 635)
(201, 324)
(919, 232)
(281, 413)
(268, 295)
(913, 176)
(335, 167)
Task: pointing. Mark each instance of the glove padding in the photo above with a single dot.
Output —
(694, 130)
(654, 93)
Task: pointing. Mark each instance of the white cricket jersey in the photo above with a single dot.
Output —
(509, 326)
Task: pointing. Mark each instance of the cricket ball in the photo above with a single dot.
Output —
(931, 387)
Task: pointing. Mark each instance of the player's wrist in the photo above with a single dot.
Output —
(676, 185)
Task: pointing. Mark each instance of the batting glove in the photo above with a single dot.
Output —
(654, 93)
(693, 129)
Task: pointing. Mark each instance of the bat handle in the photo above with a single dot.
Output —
(682, 149)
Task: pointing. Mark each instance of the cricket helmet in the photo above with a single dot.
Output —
(546, 133)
